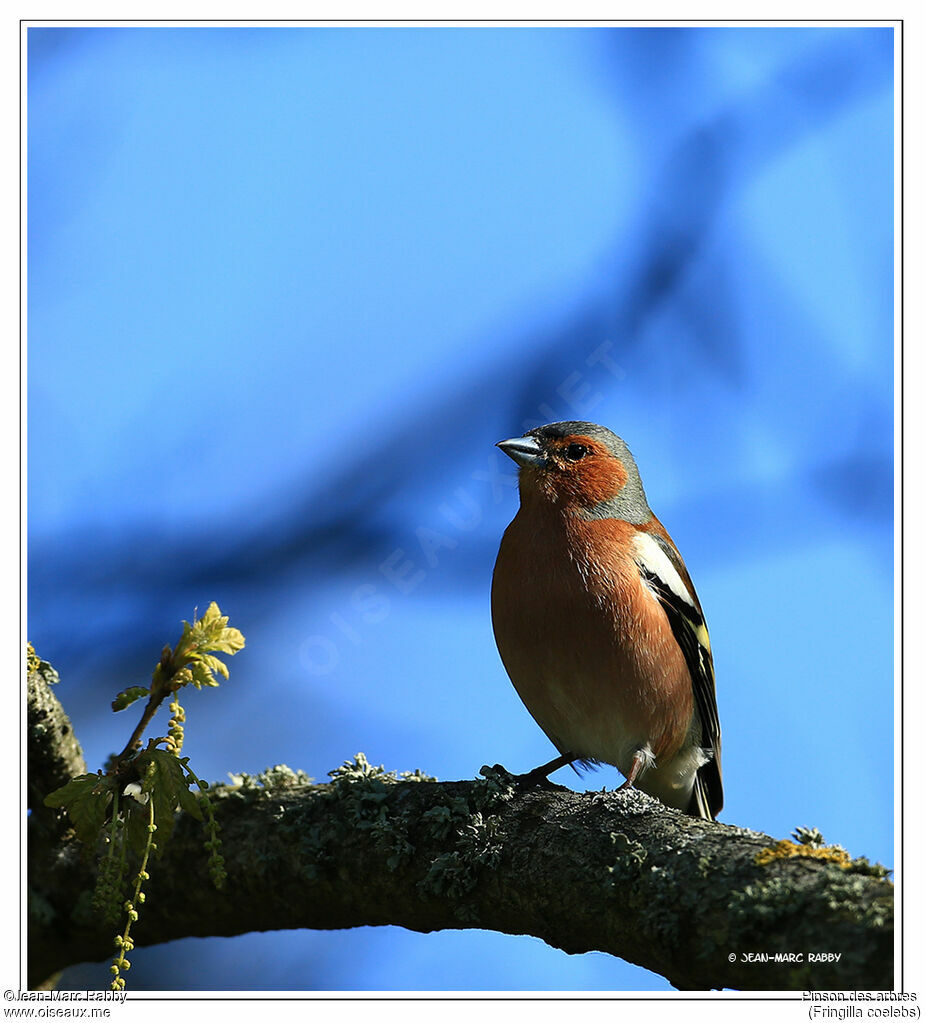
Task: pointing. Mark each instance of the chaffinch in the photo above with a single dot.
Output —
(597, 622)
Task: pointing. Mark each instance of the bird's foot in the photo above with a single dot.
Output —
(636, 766)
(538, 777)
(535, 779)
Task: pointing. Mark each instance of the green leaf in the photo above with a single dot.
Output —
(190, 803)
(215, 664)
(229, 642)
(210, 616)
(128, 696)
(164, 783)
(167, 776)
(202, 676)
(136, 826)
(75, 788)
(213, 632)
(193, 658)
(86, 799)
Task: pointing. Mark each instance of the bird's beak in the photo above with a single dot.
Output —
(526, 451)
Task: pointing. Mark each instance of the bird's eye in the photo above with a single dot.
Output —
(576, 451)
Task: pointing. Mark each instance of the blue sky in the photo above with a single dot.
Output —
(287, 287)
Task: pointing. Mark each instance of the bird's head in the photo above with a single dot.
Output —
(581, 468)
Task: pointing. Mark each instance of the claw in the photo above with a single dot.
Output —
(538, 777)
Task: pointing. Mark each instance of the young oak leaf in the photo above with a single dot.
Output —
(215, 664)
(201, 675)
(190, 803)
(128, 696)
(213, 632)
(163, 779)
(86, 799)
(198, 645)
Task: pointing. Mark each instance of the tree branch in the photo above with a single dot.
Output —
(615, 872)
(53, 752)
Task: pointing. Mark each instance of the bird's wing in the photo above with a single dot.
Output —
(663, 572)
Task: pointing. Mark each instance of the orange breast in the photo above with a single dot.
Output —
(588, 648)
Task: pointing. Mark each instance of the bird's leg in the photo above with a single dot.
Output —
(636, 766)
(539, 774)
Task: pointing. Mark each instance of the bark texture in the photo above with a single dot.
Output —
(615, 872)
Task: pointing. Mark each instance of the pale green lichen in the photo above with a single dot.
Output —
(360, 770)
(363, 789)
(35, 665)
(449, 874)
(477, 835)
(390, 840)
(283, 777)
(495, 787)
(630, 858)
(441, 819)
(481, 840)
(773, 900)
(809, 836)
(846, 895)
(271, 779)
(764, 901)
(862, 865)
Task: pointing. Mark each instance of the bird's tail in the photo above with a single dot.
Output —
(700, 803)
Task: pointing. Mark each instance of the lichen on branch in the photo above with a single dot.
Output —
(615, 872)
